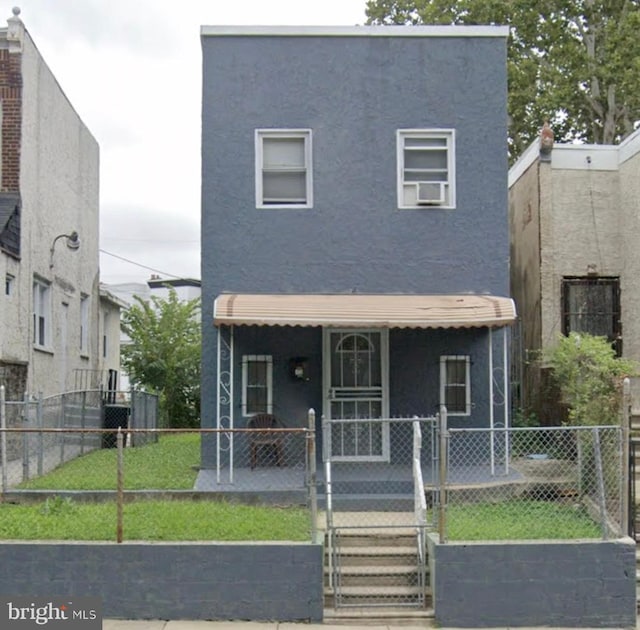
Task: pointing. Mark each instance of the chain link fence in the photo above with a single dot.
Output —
(370, 468)
(406, 475)
(158, 484)
(26, 454)
(533, 483)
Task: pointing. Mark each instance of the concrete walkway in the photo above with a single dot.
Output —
(111, 624)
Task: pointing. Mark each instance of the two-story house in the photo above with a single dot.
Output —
(575, 265)
(354, 228)
(49, 207)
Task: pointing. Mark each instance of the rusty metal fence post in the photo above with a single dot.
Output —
(625, 422)
(311, 462)
(40, 425)
(442, 476)
(26, 442)
(120, 486)
(3, 438)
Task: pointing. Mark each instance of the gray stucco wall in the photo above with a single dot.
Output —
(168, 581)
(414, 376)
(354, 93)
(564, 584)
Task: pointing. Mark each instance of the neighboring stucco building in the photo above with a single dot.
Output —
(49, 208)
(575, 262)
(354, 213)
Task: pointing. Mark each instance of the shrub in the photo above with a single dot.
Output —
(589, 377)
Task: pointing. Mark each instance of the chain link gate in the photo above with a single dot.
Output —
(377, 512)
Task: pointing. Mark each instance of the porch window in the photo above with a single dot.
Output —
(455, 384)
(592, 305)
(257, 384)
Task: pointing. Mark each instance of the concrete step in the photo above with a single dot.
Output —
(381, 540)
(385, 615)
(387, 596)
(374, 570)
(382, 591)
(378, 568)
(376, 551)
(374, 576)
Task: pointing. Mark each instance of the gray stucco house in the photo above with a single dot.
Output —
(354, 228)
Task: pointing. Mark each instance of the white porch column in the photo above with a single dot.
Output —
(491, 401)
(505, 363)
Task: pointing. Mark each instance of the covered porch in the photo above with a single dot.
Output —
(353, 358)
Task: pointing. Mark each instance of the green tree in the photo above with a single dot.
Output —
(573, 62)
(164, 355)
(589, 377)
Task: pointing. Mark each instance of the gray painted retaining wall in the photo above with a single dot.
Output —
(279, 581)
(566, 583)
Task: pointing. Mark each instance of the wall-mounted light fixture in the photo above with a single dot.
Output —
(299, 368)
(73, 243)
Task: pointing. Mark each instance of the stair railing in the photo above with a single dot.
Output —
(420, 508)
(326, 455)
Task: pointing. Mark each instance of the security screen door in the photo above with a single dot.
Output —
(356, 385)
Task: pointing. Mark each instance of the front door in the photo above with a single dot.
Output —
(356, 386)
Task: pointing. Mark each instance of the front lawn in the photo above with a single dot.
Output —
(169, 464)
(519, 520)
(64, 519)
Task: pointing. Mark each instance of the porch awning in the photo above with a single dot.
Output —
(366, 311)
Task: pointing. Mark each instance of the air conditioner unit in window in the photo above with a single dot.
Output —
(430, 193)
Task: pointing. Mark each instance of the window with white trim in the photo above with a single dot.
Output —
(283, 168)
(41, 314)
(8, 284)
(84, 324)
(257, 384)
(105, 334)
(426, 168)
(455, 384)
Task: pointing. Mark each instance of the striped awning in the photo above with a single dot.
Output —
(366, 311)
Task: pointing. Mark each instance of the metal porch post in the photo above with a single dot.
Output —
(224, 402)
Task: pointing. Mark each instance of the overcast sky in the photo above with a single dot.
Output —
(132, 70)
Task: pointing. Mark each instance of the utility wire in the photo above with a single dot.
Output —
(133, 262)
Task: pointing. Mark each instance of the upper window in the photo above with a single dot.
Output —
(84, 324)
(257, 386)
(105, 334)
(283, 168)
(41, 314)
(455, 385)
(8, 284)
(426, 173)
(592, 305)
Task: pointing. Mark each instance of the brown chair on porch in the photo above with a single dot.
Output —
(264, 440)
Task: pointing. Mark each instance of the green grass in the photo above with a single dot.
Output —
(519, 520)
(170, 464)
(63, 519)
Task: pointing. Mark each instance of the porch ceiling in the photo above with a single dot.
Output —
(364, 311)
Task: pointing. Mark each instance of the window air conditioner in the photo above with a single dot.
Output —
(430, 193)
